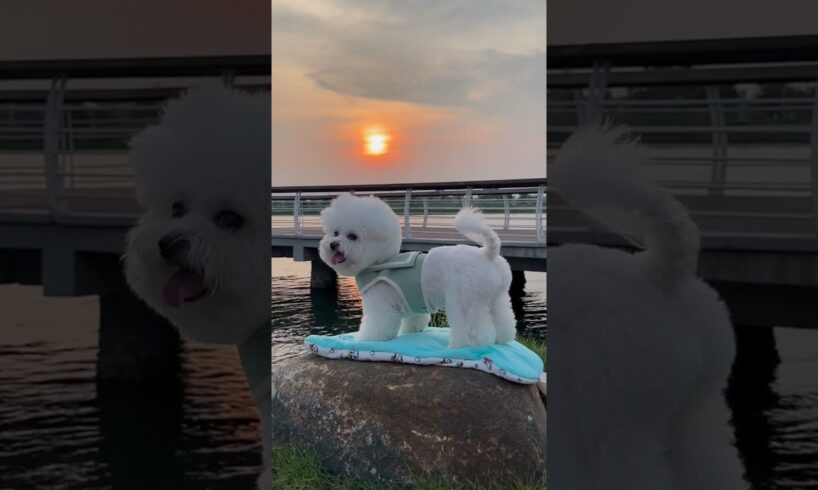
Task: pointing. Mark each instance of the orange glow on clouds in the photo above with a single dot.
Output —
(376, 141)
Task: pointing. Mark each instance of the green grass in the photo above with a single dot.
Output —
(538, 346)
(295, 470)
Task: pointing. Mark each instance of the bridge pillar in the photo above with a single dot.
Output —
(136, 345)
(517, 282)
(139, 392)
(322, 276)
(751, 396)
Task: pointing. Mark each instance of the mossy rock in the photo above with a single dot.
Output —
(391, 423)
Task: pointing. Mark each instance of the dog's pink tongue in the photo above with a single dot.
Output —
(337, 258)
(183, 286)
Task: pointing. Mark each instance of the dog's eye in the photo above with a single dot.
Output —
(336, 233)
(228, 220)
(352, 236)
(177, 210)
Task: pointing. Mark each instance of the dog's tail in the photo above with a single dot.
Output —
(596, 171)
(469, 222)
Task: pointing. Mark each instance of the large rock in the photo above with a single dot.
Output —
(389, 422)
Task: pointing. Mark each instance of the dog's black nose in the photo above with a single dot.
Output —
(333, 246)
(173, 246)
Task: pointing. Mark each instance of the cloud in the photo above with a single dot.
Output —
(485, 81)
(424, 52)
(445, 18)
(464, 81)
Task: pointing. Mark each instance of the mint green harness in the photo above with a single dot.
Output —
(402, 272)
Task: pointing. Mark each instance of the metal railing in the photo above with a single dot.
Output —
(713, 137)
(64, 143)
(515, 208)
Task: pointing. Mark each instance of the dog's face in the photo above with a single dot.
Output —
(358, 232)
(199, 255)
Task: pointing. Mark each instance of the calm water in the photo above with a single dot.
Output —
(780, 444)
(299, 311)
(58, 431)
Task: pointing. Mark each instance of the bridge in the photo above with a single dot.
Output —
(514, 208)
(732, 131)
(67, 193)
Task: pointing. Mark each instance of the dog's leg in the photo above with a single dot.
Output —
(503, 316)
(457, 326)
(414, 323)
(382, 318)
(470, 326)
(481, 326)
(703, 456)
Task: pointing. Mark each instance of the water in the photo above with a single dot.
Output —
(59, 431)
(788, 456)
(299, 311)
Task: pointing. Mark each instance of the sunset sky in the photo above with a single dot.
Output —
(397, 91)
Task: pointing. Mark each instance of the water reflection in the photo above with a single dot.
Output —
(59, 429)
(141, 428)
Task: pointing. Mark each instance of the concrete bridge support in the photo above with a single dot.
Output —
(140, 394)
(135, 344)
(756, 309)
(751, 397)
(517, 281)
(322, 276)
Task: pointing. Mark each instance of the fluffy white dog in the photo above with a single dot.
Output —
(199, 255)
(363, 234)
(639, 348)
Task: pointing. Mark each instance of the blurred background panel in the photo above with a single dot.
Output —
(98, 391)
(724, 97)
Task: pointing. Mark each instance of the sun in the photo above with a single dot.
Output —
(376, 141)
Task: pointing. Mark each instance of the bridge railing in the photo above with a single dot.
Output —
(64, 142)
(516, 208)
(65, 134)
(720, 136)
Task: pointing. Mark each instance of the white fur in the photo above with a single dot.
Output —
(470, 283)
(211, 152)
(639, 348)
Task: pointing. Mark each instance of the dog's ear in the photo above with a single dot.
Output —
(330, 213)
(382, 225)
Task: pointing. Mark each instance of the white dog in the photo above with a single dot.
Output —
(363, 239)
(199, 255)
(639, 348)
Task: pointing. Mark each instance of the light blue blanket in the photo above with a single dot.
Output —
(512, 361)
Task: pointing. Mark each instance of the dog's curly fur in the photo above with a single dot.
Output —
(470, 283)
(639, 348)
(199, 177)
